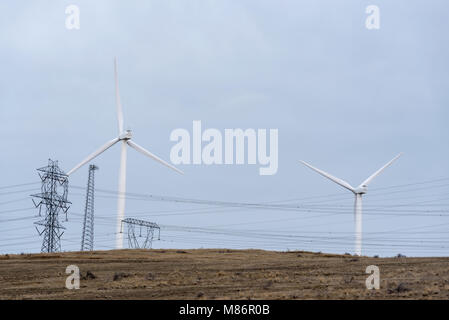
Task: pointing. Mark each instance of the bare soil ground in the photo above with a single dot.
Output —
(220, 274)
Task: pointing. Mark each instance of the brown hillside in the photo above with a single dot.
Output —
(220, 274)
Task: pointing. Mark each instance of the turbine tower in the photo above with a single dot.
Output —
(358, 192)
(125, 138)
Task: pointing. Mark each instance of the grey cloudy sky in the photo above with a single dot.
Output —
(344, 98)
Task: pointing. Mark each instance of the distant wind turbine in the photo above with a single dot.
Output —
(358, 192)
(125, 138)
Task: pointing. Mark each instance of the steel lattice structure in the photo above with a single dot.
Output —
(131, 224)
(87, 240)
(53, 198)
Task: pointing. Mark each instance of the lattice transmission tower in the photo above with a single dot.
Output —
(53, 199)
(87, 240)
(148, 233)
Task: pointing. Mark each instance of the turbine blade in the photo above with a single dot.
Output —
(152, 156)
(375, 174)
(343, 183)
(93, 155)
(117, 100)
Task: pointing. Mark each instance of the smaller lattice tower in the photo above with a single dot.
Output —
(147, 236)
(87, 240)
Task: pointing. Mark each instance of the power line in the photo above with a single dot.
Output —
(320, 209)
(19, 191)
(19, 185)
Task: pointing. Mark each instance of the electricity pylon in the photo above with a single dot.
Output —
(87, 240)
(53, 198)
(131, 224)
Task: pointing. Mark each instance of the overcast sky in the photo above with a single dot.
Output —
(344, 98)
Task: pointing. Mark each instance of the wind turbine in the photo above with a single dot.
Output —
(125, 138)
(358, 192)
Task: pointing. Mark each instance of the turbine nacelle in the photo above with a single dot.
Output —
(126, 135)
(361, 190)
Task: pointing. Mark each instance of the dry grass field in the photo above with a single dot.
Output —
(219, 274)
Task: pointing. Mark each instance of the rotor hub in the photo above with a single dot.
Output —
(126, 135)
(361, 190)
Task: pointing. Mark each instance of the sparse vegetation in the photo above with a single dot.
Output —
(119, 276)
(217, 274)
(88, 276)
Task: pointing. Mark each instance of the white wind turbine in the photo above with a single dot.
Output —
(358, 192)
(125, 138)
